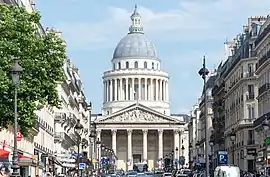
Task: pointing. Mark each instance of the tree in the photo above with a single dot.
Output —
(41, 57)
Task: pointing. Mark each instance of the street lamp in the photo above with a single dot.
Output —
(190, 153)
(266, 126)
(233, 138)
(177, 158)
(16, 70)
(203, 72)
(78, 129)
(183, 149)
(98, 143)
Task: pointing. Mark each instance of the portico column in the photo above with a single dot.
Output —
(114, 133)
(145, 133)
(160, 143)
(130, 159)
(176, 144)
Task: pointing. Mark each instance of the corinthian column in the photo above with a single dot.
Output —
(176, 144)
(129, 133)
(114, 133)
(145, 132)
(160, 143)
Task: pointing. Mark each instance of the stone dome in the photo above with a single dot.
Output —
(135, 45)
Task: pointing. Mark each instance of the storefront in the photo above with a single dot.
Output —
(25, 162)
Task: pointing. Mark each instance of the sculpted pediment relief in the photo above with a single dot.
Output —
(137, 116)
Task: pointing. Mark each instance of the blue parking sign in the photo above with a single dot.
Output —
(222, 157)
(81, 166)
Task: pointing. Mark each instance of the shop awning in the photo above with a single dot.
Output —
(4, 155)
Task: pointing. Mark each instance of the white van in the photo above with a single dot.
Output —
(227, 171)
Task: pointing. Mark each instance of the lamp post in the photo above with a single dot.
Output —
(190, 154)
(16, 70)
(177, 158)
(211, 143)
(92, 137)
(233, 138)
(78, 129)
(203, 72)
(98, 143)
(266, 126)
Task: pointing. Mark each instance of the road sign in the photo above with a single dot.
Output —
(19, 136)
(267, 140)
(222, 157)
(81, 166)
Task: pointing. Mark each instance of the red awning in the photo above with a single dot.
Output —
(4, 154)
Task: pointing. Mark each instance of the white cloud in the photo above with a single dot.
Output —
(191, 20)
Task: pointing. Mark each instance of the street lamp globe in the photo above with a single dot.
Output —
(266, 125)
(211, 143)
(233, 135)
(78, 127)
(176, 149)
(16, 70)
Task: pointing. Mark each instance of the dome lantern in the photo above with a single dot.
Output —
(136, 25)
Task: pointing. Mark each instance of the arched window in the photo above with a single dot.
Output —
(136, 64)
(127, 64)
(114, 66)
(153, 65)
(145, 64)
(119, 65)
(157, 66)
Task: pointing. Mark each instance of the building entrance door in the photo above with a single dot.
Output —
(137, 158)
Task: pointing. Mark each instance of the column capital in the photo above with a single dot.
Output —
(160, 131)
(113, 131)
(129, 131)
(145, 131)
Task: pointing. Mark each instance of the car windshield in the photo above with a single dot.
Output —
(168, 174)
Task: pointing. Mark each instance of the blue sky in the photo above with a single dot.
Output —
(182, 30)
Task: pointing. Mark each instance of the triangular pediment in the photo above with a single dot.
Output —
(138, 113)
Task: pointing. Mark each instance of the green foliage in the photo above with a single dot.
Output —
(41, 57)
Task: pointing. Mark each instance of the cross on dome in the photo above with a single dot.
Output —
(136, 22)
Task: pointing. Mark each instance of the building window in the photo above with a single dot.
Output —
(145, 64)
(127, 65)
(136, 64)
(250, 69)
(114, 66)
(251, 112)
(119, 65)
(153, 65)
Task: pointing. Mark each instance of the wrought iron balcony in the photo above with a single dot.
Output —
(264, 88)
